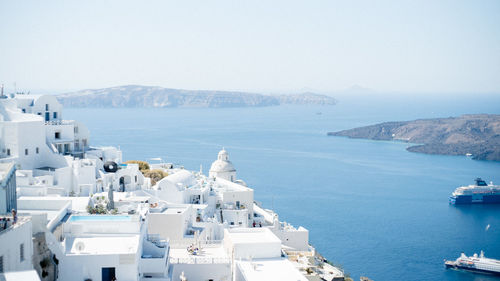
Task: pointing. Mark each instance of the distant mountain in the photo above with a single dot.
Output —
(477, 134)
(148, 96)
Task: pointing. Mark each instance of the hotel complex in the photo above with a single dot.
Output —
(71, 211)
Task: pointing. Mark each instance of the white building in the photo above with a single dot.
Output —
(222, 167)
(257, 256)
(95, 218)
(16, 249)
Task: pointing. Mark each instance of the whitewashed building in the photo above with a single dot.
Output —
(16, 249)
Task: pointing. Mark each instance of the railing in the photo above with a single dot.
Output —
(199, 260)
(186, 243)
(59, 122)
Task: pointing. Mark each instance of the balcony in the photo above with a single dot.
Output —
(7, 225)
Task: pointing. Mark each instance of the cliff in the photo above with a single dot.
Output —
(147, 96)
(477, 134)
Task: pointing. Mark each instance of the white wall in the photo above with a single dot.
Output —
(295, 238)
(169, 226)
(80, 267)
(10, 241)
(202, 272)
(257, 243)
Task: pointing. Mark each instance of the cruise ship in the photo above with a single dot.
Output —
(475, 263)
(73, 211)
(480, 192)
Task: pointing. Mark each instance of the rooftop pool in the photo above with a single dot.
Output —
(100, 218)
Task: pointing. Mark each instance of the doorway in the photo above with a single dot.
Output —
(108, 274)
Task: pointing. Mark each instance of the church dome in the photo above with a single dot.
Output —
(222, 164)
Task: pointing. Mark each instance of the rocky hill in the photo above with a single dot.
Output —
(147, 96)
(478, 135)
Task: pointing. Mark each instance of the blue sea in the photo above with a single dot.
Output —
(370, 206)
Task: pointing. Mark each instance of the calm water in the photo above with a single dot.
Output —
(370, 206)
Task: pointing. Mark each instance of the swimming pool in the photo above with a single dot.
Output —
(100, 218)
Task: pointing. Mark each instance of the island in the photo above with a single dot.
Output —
(149, 96)
(474, 135)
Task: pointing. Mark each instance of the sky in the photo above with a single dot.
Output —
(260, 46)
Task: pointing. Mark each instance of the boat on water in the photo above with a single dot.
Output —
(475, 263)
(480, 192)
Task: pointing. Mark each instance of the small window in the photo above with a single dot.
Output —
(37, 150)
(46, 107)
(8, 152)
(55, 115)
(1, 264)
(76, 130)
(135, 178)
(232, 223)
(26, 151)
(21, 252)
(57, 135)
(24, 110)
(39, 113)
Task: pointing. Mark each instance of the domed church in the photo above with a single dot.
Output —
(222, 167)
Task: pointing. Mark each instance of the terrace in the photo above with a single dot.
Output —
(7, 223)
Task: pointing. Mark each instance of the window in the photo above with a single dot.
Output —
(39, 113)
(26, 151)
(1, 264)
(57, 135)
(46, 107)
(8, 152)
(37, 150)
(76, 130)
(232, 223)
(24, 110)
(135, 178)
(21, 252)
(55, 115)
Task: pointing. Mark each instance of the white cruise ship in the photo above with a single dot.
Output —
(71, 211)
(475, 263)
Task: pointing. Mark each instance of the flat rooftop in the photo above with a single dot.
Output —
(269, 269)
(103, 245)
(251, 235)
(21, 220)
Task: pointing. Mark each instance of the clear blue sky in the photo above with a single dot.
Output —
(273, 46)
